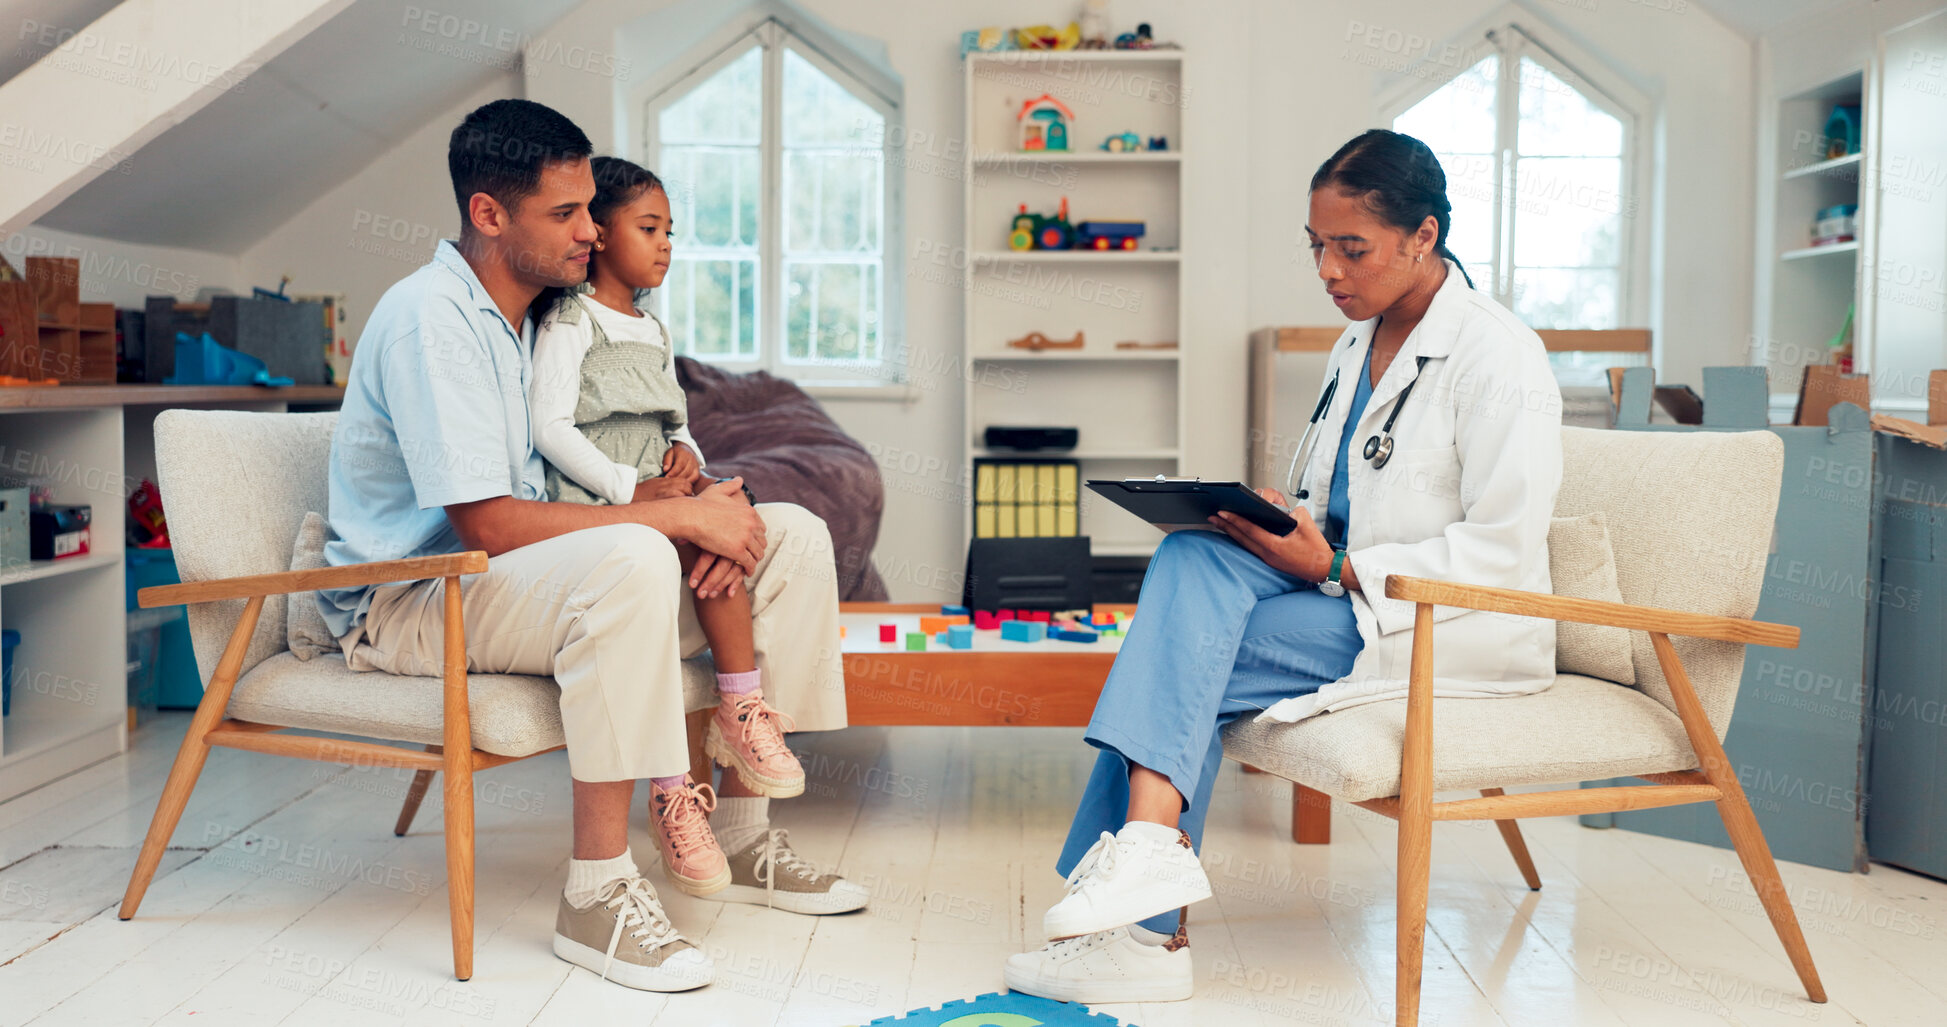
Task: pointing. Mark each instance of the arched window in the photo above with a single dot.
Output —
(775, 160)
(1539, 167)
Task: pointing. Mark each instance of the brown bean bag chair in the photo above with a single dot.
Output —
(788, 450)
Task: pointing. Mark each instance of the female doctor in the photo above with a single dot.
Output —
(1437, 454)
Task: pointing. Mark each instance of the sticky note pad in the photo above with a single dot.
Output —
(960, 636)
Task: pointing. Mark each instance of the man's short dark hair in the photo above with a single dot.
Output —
(501, 147)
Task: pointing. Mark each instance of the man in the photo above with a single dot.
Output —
(434, 454)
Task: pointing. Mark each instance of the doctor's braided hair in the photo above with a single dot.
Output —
(1399, 180)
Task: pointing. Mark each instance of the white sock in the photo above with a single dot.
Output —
(1145, 936)
(1154, 834)
(739, 822)
(587, 877)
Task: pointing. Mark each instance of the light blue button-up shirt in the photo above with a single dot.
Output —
(435, 413)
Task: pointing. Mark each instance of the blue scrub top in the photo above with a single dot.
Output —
(1338, 506)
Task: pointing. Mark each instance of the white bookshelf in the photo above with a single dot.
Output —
(1804, 289)
(1128, 404)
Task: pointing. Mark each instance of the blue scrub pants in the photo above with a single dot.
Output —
(1218, 634)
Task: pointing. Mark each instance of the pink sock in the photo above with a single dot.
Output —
(666, 783)
(737, 684)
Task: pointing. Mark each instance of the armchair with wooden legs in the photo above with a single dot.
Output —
(1689, 516)
(237, 486)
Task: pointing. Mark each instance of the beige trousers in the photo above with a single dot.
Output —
(607, 613)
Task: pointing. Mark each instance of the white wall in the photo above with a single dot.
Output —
(377, 226)
(1272, 94)
(125, 273)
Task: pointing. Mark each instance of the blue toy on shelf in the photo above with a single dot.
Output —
(205, 361)
(1108, 235)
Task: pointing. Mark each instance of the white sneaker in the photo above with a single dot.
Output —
(1108, 966)
(1124, 879)
(643, 949)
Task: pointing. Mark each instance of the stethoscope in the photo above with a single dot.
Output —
(1378, 449)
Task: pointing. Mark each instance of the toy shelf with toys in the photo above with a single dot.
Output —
(1074, 212)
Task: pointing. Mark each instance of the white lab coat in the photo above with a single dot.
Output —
(1466, 497)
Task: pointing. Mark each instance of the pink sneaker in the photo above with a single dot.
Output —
(681, 818)
(746, 736)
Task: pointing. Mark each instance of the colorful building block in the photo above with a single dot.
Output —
(985, 620)
(888, 632)
(954, 611)
(960, 636)
(841, 631)
(1004, 615)
(916, 642)
(940, 637)
(1036, 615)
(1023, 631)
(934, 625)
(1065, 635)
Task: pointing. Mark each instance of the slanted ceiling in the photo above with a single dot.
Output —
(310, 118)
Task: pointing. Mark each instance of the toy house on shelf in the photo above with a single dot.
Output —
(1044, 123)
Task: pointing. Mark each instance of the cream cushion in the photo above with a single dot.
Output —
(1582, 566)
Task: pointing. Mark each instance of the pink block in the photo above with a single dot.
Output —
(984, 620)
(888, 633)
(1040, 615)
(1004, 615)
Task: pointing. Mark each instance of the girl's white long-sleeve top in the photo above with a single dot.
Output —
(558, 350)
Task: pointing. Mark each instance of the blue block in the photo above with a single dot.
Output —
(1064, 635)
(954, 611)
(1023, 630)
(940, 637)
(960, 636)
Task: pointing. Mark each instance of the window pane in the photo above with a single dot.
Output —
(820, 112)
(1470, 189)
(831, 311)
(833, 196)
(1568, 212)
(1558, 120)
(1559, 298)
(728, 107)
(1459, 116)
(712, 169)
(707, 305)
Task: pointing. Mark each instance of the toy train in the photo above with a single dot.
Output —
(1053, 232)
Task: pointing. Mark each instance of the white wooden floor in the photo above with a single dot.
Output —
(286, 900)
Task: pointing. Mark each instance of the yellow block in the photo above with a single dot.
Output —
(984, 484)
(1004, 480)
(1065, 484)
(1045, 492)
(1065, 521)
(984, 521)
(1004, 521)
(1044, 516)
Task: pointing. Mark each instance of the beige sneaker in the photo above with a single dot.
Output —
(642, 949)
(770, 873)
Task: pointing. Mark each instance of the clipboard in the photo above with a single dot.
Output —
(1175, 503)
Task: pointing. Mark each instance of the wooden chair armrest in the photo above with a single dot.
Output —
(413, 569)
(1591, 611)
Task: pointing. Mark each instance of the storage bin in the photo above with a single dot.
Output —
(8, 640)
(179, 685)
(145, 629)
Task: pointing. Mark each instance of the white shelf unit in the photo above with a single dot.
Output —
(70, 675)
(1811, 286)
(1129, 405)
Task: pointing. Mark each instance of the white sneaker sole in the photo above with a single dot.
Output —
(635, 975)
(1066, 920)
(808, 903)
(771, 787)
(1174, 988)
(701, 888)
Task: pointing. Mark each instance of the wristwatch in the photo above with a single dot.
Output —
(749, 496)
(1331, 586)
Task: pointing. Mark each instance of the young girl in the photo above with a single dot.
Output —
(610, 419)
